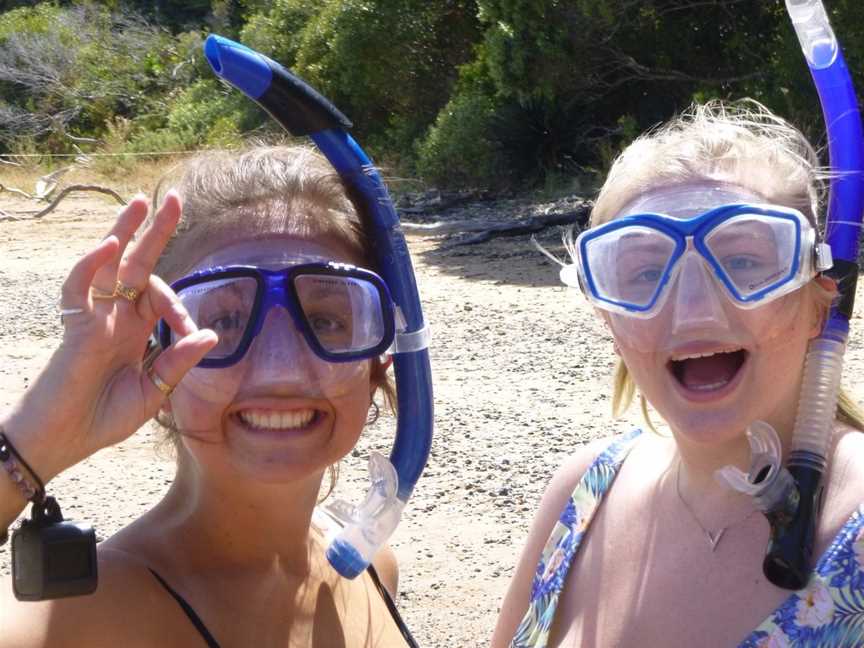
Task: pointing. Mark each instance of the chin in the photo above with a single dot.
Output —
(710, 428)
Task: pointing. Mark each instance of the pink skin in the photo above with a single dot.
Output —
(208, 405)
(765, 387)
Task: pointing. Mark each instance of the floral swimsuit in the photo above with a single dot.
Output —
(828, 612)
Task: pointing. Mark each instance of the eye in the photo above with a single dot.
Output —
(741, 262)
(228, 323)
(326, 324)
(648, 275)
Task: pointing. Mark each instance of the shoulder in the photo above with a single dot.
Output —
(846, 474)
(560, 488)
(120, 611)
(568, 475)
(387, 568)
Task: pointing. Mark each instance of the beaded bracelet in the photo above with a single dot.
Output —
(32, 489)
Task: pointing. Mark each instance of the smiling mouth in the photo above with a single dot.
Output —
(270, 420)
(709, 371)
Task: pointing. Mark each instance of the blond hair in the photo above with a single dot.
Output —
(740, 143)
(261, 190)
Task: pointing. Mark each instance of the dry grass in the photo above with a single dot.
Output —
(126, 176)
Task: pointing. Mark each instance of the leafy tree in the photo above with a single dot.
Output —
(389, 64)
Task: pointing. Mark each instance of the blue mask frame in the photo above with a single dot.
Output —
(277, 288)
(679, 230)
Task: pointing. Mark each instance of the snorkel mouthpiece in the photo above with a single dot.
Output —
(301, 110)
(791, 496)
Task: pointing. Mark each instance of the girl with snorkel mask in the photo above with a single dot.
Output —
(705, 262)
(280, 290)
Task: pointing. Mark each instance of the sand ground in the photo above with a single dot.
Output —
(522, 374)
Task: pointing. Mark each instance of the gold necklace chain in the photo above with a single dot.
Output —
(713, 538)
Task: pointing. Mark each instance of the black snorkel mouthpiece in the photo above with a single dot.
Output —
(789, 557)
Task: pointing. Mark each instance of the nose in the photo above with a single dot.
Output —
(698, 305)
(279, 349)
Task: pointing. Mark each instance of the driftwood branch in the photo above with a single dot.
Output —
(79, 187)
(15, 191)
(486, 230)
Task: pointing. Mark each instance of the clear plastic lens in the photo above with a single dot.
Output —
(628, 265)
(224, 306)
(755, 253)
(344, 313)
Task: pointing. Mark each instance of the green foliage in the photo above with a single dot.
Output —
(495, 93)
(276, 32)
(460, 149)
(208, 112)
(388, 64)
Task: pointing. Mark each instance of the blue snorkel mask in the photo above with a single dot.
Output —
(790, 496)
(302, 111)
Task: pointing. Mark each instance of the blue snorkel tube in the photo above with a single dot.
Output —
(791, 497)
(303, 111)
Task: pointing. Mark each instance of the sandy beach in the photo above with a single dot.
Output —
(522, 372)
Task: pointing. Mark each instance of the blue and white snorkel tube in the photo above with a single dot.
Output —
(791, 497)
(303, 111)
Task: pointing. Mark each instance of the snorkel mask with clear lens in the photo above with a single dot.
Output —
(713, 272)
(302, 111)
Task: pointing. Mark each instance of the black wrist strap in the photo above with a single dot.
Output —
(7, 450)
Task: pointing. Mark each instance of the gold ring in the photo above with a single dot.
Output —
(120, 290)
(98, 294)
(160, 384)
(127, 293)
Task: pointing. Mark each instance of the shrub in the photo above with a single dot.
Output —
(459, 149)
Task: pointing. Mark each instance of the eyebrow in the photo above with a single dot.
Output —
(639, 242)
(734, 237)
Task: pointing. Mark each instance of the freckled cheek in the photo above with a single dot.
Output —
(351, 410)
(647, 370)
(200, 400)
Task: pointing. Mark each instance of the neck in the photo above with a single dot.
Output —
(233, 522)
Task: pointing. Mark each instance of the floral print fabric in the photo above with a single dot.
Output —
(828, 612)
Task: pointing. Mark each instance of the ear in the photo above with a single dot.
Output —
(385, 360)
(820, 305)
(378, 375)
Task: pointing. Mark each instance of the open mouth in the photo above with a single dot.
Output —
(709, 371)
(279, 421)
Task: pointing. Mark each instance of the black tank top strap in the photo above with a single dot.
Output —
(193, 617)
(394, 611)
(212, 643)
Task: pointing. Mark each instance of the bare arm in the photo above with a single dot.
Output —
(560, 488)
(94, 391)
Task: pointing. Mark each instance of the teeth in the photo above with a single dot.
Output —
(277, 420)
(707, 354)
(711, 387)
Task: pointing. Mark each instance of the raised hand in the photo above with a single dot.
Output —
(95, 392)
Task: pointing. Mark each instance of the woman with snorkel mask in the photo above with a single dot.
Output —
(704, 261)
(744, 525)
(275, 300)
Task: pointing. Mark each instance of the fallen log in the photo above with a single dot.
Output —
(485, 230)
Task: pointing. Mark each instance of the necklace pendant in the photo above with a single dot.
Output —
(714, 539)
